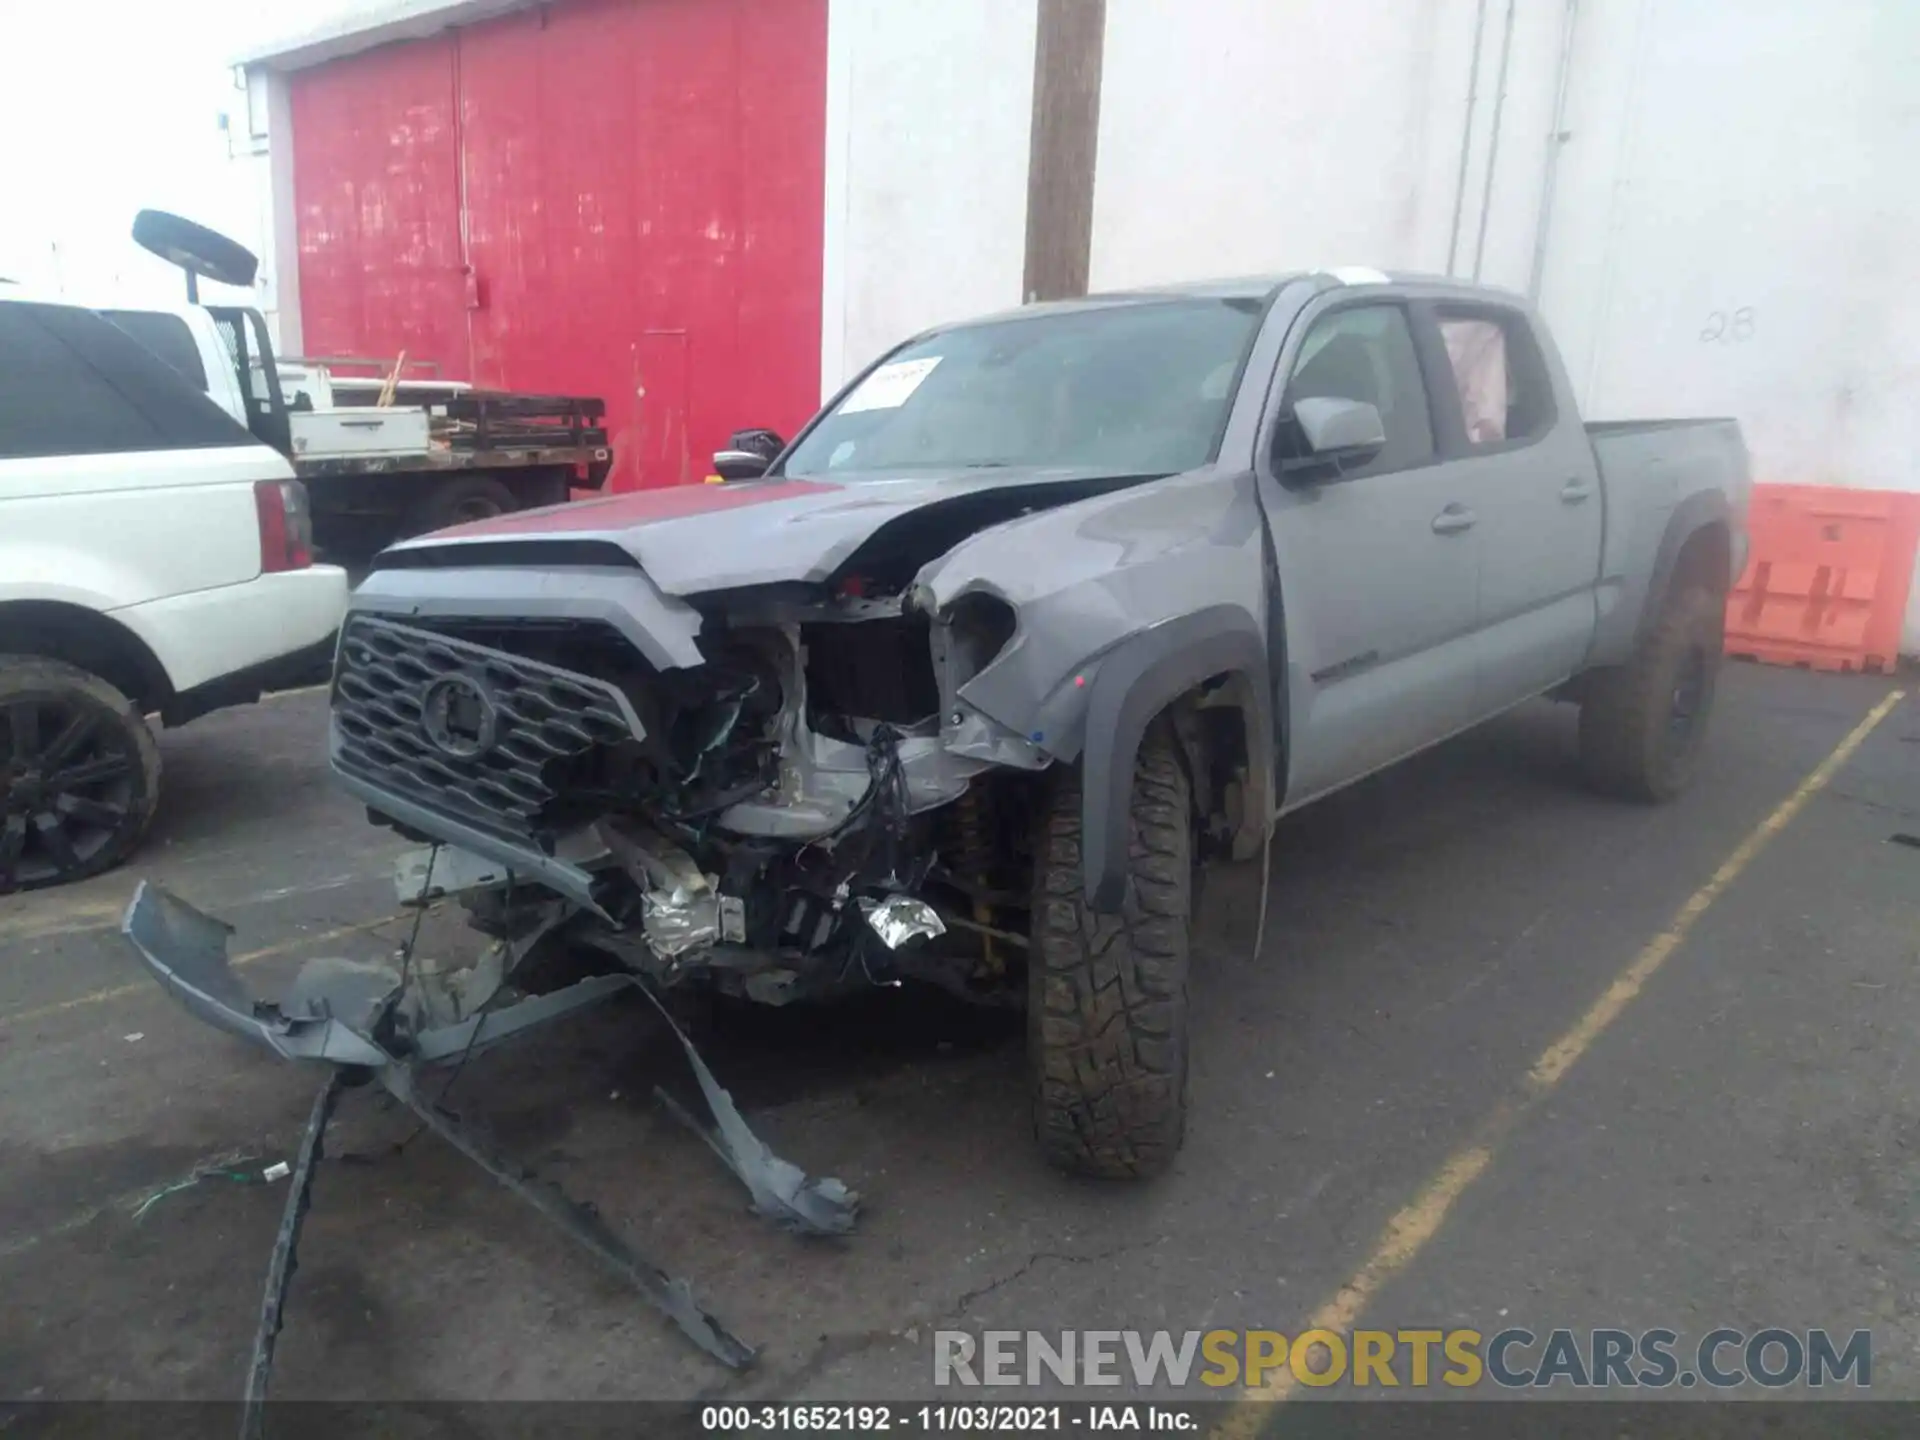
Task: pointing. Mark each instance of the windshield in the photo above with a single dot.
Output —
(1127, 389)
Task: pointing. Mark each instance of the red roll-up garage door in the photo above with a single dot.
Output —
(610, 197)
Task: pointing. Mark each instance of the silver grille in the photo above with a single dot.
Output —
(505, 764)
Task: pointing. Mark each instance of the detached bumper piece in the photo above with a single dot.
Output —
(368, 1021)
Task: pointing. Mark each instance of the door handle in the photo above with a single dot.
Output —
(1454, 519)
(1574, 491)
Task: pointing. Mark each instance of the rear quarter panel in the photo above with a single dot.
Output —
(1660, 479)
(106, 531)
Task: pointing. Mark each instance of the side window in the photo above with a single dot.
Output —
(166, 336)
(1364, 353)
(1499, 376)
(72, 384)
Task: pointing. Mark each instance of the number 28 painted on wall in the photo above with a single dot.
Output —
(1728, 327)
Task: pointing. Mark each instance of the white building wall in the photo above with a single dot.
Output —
(929, 106)
(1738, 229)
(1761, 168)
(1250, 136)
(1734, 228)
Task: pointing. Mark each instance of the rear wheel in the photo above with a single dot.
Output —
(1643, 724)
(461, 501)
(1107, 998)
(79, 774)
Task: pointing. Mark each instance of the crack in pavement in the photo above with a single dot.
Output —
(838, 1345)
(967, 1298)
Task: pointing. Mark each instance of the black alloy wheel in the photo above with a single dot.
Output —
(79, 774)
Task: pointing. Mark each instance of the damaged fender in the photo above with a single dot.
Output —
(1140, 679)
(1125, 602)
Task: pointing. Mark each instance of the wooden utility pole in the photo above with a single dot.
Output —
(1062, 150)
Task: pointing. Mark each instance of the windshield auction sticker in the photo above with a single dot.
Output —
(889, 387)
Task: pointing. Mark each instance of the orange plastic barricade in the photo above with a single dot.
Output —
(1827, 577)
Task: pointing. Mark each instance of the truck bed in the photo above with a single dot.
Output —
(1647, 468)
(1678, 455)
(469, 430)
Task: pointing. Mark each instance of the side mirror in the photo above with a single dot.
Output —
(739, 464)
(748, 454)
(1339, 429)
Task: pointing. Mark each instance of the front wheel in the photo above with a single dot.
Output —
(1643, 724)
(1107, 994)
(79, 774)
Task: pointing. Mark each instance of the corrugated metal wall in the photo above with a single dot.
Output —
(611, 197)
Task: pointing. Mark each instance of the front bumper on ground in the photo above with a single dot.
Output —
(335, 1007)
(402, 1019)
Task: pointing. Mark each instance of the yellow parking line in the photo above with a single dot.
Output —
(72, 916)
(1408, 1232)
(62, 917)
(120, 992)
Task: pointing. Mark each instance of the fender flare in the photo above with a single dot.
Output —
(1689, 518)
(1135, 682)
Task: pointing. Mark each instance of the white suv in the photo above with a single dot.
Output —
(155, 558)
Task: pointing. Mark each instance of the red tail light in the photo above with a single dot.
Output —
(286, 529)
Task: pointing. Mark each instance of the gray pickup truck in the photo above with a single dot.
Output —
(1041, 612)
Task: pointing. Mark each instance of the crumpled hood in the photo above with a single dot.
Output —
(695, 538)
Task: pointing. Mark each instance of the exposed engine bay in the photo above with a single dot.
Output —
(787, 820)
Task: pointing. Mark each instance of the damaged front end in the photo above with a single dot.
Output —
(792, 816)
(809, 807)
(395, 1024)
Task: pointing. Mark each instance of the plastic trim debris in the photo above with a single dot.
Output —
(672, 1297)
(782, 1192)
(273, 1304)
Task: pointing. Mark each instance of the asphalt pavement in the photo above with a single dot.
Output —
(1733, 1138)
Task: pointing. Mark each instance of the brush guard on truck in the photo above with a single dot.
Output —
(389, 1025)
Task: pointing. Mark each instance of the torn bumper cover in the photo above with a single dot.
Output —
(334, 1008)
(373, 1017)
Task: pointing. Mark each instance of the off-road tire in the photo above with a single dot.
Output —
(118, 729)
(1107, 994)
(1629, 743)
